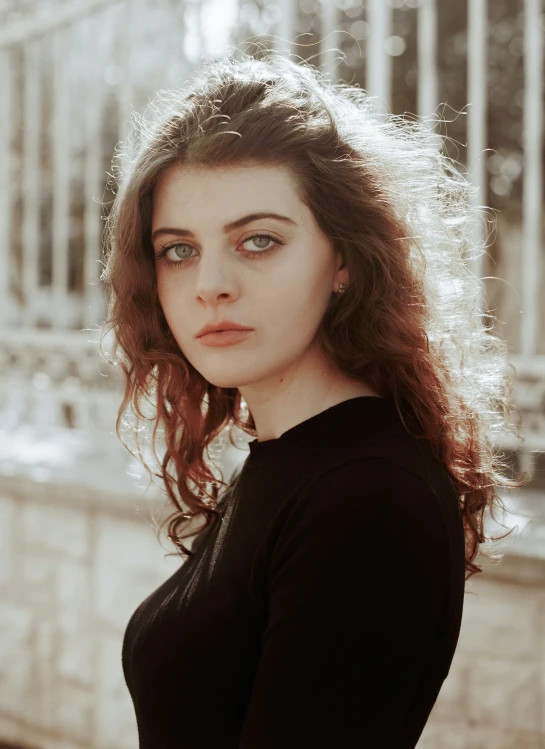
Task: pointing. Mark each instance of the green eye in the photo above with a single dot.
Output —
(161, 254)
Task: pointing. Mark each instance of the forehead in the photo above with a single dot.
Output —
(183, 187)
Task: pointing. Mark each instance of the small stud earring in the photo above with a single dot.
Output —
(342, 288)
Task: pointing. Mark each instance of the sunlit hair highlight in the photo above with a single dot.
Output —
(401, 215)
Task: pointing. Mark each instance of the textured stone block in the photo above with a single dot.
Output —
(451, 704)
(43, 687)
(485, 737)
(492, 737)
(501, 620)
(74, 711)
(38, 574)
(56, 529)
(8, 539)
(505, 694)
(72, 589)
(116, 723)
(129, 565)
(75, 656)
(439, 734)
(11, 730)
(16, 627)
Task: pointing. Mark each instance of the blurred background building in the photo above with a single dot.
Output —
(78, 552)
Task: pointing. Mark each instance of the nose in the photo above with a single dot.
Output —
(215, 281)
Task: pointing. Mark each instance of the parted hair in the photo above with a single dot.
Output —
(400, 213)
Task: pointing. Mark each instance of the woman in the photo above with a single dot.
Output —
(321, 603)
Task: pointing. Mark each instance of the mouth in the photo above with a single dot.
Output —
(224, 330)
(228, 327)
(224, 337)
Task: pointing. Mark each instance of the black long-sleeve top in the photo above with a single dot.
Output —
(321, 609)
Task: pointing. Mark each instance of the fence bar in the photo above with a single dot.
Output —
(126, 23)
(379, 62)
(31, 180)
(329, 16)
(532, 189)
(427, 60)
(92, 229)
(7, 303)
(477, 110)
(285, 30)
(61, 181)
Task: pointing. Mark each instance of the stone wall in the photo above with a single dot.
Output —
(75, 563)
(494, 695)
(74, 567)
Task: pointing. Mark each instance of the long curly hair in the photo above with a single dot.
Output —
(400, 213)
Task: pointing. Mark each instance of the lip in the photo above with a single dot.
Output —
(220, 326)
(225, 337)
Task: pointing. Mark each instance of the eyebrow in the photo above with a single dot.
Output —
(227, 228)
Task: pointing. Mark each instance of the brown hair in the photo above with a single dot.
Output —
(401, 215)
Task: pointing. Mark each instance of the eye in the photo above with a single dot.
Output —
(253, 254)
(178, 250)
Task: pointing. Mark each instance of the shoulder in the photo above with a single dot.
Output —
(367, 506)
(368, 486)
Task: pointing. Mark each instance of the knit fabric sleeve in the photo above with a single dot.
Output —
(358, 583)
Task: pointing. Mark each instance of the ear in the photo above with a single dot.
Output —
(342, 274)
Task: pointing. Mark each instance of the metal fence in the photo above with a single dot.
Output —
(70, 73)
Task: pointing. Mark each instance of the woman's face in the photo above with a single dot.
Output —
(224, 273)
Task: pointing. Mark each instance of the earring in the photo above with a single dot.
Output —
(342, 288)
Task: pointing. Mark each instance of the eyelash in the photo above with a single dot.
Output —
(160, 255)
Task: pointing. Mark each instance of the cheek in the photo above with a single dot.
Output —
(295, 312)
(162, 281)
(171, 301)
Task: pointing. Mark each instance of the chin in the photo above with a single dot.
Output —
(237, 372)
(222, 379)
(223, 382)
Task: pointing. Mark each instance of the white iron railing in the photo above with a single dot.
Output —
(68, 81)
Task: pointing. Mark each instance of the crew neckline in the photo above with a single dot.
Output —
(330, 418)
